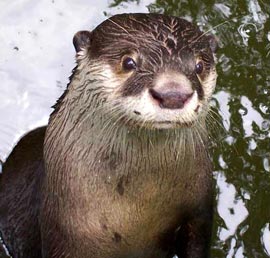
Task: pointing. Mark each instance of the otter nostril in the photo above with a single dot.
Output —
(171, 99)
(157, 96)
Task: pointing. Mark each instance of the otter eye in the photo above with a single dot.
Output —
(129, 64)
(199, 67)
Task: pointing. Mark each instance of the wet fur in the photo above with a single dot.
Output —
(20, 196)
(116, 186)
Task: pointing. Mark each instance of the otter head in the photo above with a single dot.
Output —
(148, 70)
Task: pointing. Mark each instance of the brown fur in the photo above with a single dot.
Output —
(115, 186)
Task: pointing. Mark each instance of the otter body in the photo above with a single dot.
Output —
(124, 168)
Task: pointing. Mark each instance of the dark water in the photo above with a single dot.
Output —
(241, 149)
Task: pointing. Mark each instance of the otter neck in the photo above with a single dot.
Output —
(89, 131)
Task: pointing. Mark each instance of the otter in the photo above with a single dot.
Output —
(122, 169)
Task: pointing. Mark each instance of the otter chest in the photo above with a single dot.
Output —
(137, 209)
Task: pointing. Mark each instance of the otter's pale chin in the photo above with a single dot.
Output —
(171, 125)
(145, 112)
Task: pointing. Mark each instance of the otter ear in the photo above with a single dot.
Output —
(81, 40)
(213, 43)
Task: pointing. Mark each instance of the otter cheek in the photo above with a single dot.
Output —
(209, 84)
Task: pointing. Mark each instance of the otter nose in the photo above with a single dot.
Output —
(170, 99)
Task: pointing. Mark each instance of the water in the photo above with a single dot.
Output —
(36, 57)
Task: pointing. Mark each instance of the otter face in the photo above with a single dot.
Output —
(152, 70)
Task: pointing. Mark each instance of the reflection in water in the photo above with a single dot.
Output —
(266, 162)
(234, 251)
(231, 207)
(256, 12)
(223, 100)
(268, 46)
(226, 11)
(252, 116)
(265, 238)
(244, 30)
